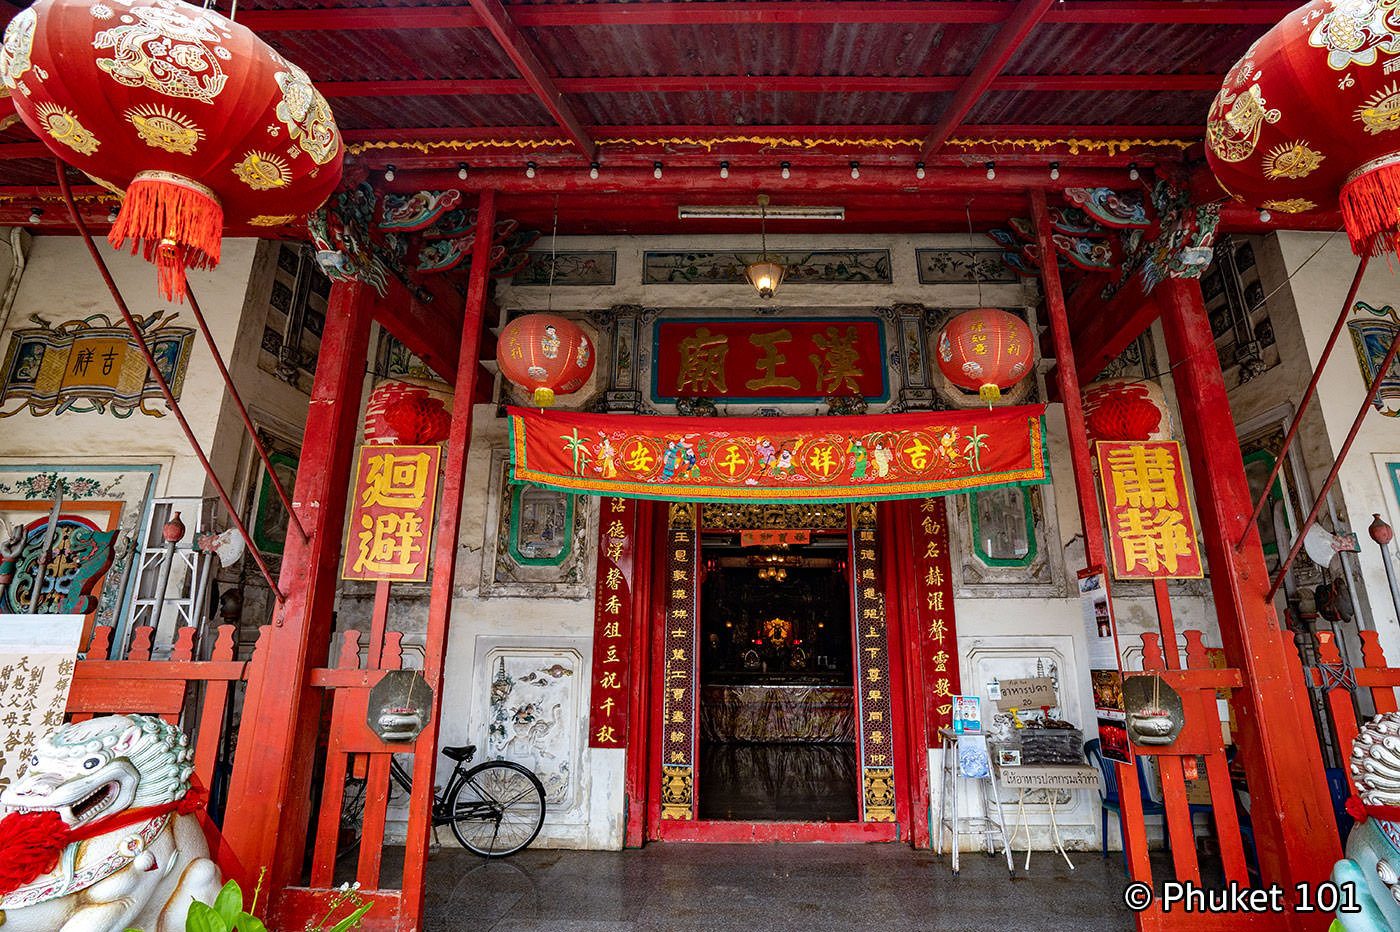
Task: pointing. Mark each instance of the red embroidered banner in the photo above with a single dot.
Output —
(773, 538)
(612, 624)
(799, 459)
(1150, 528)
(793, 359)
(933, 607)
(391, 515)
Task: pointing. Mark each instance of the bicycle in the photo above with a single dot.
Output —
(494, 809)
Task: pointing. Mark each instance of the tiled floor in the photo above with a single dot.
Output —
(758, 888)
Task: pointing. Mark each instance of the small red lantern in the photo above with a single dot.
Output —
(546, 354)
(1126, 409)
(1310, 115)
(986, 351)
(189, 114)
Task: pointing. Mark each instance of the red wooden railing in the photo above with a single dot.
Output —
(1200, 738)
(195, 694)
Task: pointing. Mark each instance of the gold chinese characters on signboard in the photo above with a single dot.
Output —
(391, 518)
(1150, 528)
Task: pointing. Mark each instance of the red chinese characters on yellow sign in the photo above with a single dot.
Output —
(391, 518)
(1150, 528)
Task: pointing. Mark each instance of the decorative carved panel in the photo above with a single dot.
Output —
(752, 517)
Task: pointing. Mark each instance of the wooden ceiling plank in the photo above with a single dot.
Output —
(515, 44)
(1003, 45)
(765, 12)
(782, 84)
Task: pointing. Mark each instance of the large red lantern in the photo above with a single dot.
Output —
(986, 351)
(190, 114)
(545, 354)
(1311, 114)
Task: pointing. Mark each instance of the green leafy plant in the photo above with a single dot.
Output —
(227, 914)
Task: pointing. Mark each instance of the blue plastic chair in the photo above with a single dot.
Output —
(1108, 794)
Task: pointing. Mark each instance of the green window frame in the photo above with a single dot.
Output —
(974, 507)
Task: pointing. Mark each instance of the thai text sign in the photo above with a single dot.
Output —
(391, 518)
(612, 624)
(789, 360)
(1028, 693)
(1150, 528)
(1051, 777)
(798, 459)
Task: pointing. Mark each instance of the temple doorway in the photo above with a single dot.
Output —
(777, 736)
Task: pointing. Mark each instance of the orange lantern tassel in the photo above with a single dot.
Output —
(176, 222)
(1371, 210)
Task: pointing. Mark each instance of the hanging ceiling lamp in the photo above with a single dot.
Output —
(766, 274)
(189, 115)
(1309, 116)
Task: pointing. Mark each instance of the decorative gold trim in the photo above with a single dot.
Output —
(263, 171)
(1294, 160)
(757, 517)
(863, 514)
(161, 128)
(677, 796)
(1075, 145)
(1294, 205)
(173, 178)
(1379, 162)
(63, 126)
(1381, 111)
(681, 514)
(879, 794)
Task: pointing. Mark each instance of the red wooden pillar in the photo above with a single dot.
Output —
(444, 569)
(1067, 376)
(269, 794)
(1293, 821)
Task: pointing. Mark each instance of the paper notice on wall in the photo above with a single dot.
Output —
(37, 656)
(1098, 622)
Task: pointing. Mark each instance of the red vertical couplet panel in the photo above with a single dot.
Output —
(931, 594)
(678, 698)
(1150, 528)
(874, 704)
(612, 623)
(1290, 804)
(391, 514)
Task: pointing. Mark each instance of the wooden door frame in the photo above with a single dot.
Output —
(645, 757)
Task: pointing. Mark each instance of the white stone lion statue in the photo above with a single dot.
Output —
(116, 769)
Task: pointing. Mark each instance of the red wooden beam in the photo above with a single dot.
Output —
(515, 44)
(782, 84)
(428, 330)
(1291, 809)
(1105, 328)
(1007, 40)
(761, 12)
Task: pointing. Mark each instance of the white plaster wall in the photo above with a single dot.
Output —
(61, 283)
(984, 624)
(1317, 287)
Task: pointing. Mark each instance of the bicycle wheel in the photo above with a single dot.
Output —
(498, 809)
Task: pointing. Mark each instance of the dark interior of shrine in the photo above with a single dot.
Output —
(777, 712)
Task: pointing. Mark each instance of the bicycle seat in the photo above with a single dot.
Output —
(460, 754)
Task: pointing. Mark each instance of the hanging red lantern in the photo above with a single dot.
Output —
(189, 114)
(1126, 409)
(986, 351)
(410, 411)
(545, 354)
(1310, 115)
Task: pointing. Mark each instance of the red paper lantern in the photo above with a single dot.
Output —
(1126, 409)
(408, 411)
(986, 351)
(545, 354)
(190, 114)
(1311, 115)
